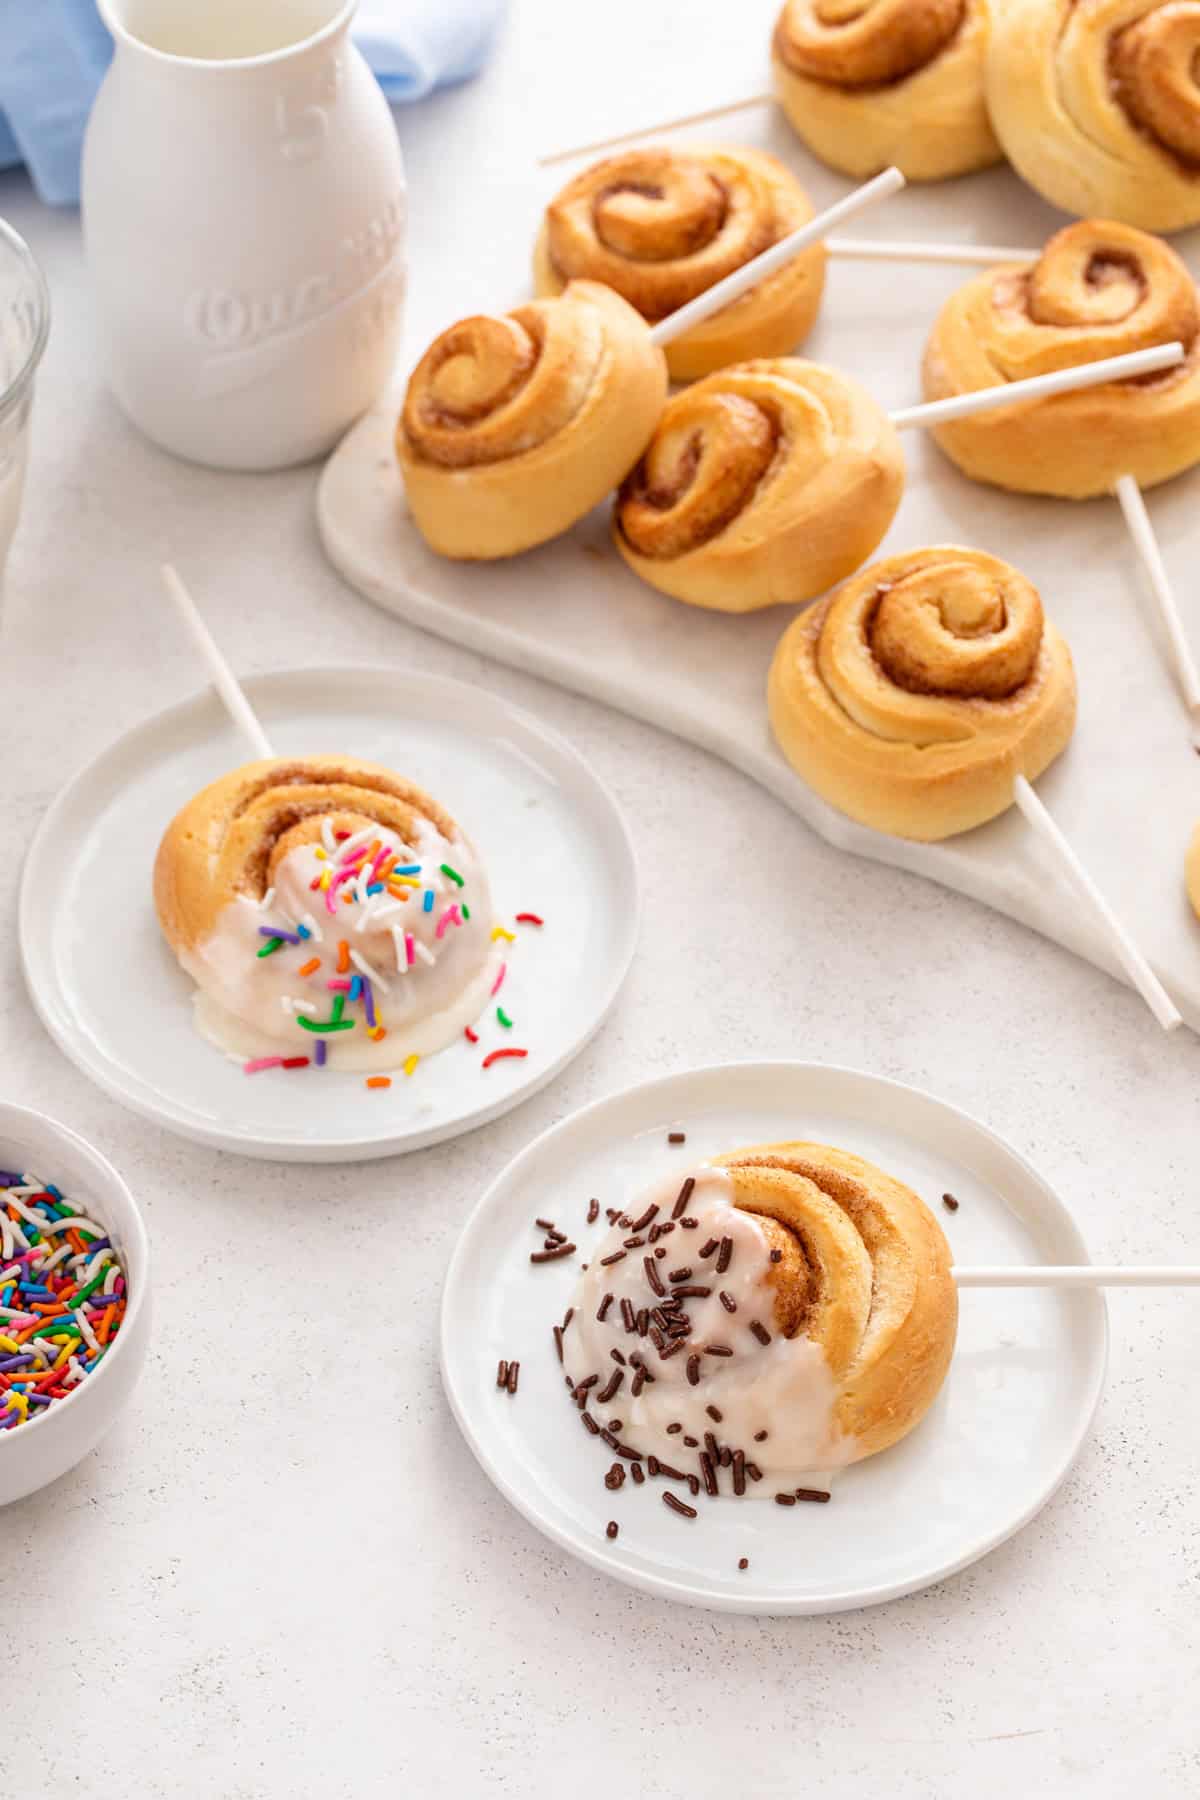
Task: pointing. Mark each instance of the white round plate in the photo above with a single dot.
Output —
(112, 996)
(1006, 1428)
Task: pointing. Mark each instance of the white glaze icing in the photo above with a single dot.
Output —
(784, 1387)
(248, 1005)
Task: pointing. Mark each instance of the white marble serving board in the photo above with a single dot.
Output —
(1127, 791)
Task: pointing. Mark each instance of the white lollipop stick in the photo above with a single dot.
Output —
(1082, 1276)
(1126, 951)
(884, 250)
(751, 273)
(219, 671)
(1129, 494)
(631, 137)
(1039, 387)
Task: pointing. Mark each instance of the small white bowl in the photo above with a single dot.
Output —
(36, 1453)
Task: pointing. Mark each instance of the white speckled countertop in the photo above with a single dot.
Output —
(283, 1574)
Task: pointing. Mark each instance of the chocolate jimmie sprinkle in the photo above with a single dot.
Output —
(502, 1373)
(818, 1494)
(712, 1244)
(653, 1276)
(677, 1137)
(685, 1194)
(627, 1315)
(693, 1370)
(679, 1506)
(611, 1529)
(593, 1211)
(724, 1255)
(603, 1307)
(760, 1331)
(616, 1257)
(950, 1203)
(611, 1387)
(552, 1255)
(727, 1301)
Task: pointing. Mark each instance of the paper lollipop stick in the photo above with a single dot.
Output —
(887, 250)
(1126, 951)
(751, 273)
(631, 137)
(1133, 508)
(1083, 1275)
(1039, 387)
(219, 671)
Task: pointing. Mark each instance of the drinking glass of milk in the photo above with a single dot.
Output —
(24, 327)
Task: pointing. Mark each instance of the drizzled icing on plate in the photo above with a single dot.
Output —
(712, 1294)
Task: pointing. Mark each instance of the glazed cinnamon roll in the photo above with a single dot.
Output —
(867, 83)
(1097, 105)
(1098, 289)
(804, 1320)
(515, 426)
(763, 484)
(662, 226)
(293, 891)
(912, 697)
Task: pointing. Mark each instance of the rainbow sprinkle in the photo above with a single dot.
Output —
(63, 1295)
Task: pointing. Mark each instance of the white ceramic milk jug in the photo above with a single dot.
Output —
(243, 204)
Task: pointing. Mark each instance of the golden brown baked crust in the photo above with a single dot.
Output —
(913, 696)
(231, 837)
(763, 484)
(662, 226)
(514, 427)
(1097, 105)
(1192, 871)
(1098, 289)
(867, 83)
(865, 1273)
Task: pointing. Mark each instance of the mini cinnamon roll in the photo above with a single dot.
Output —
(292, 892)
(1098, 289)
(1097, 105)
(763, 484)
(516, 426)
(805, 1322)
(662, 226)
(913, 697)
(867, 83)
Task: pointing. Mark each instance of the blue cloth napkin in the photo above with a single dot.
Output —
(53, 54)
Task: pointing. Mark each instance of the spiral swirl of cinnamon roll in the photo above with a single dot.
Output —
(662, 226)
(763, 484)
(912, 697)
(809, 1312)
(866, 83)
(275, 887)
(1097, 105)
(1098, 289)
(514, 427)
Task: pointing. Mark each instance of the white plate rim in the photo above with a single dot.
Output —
(96, 1066)
(693, 1592)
